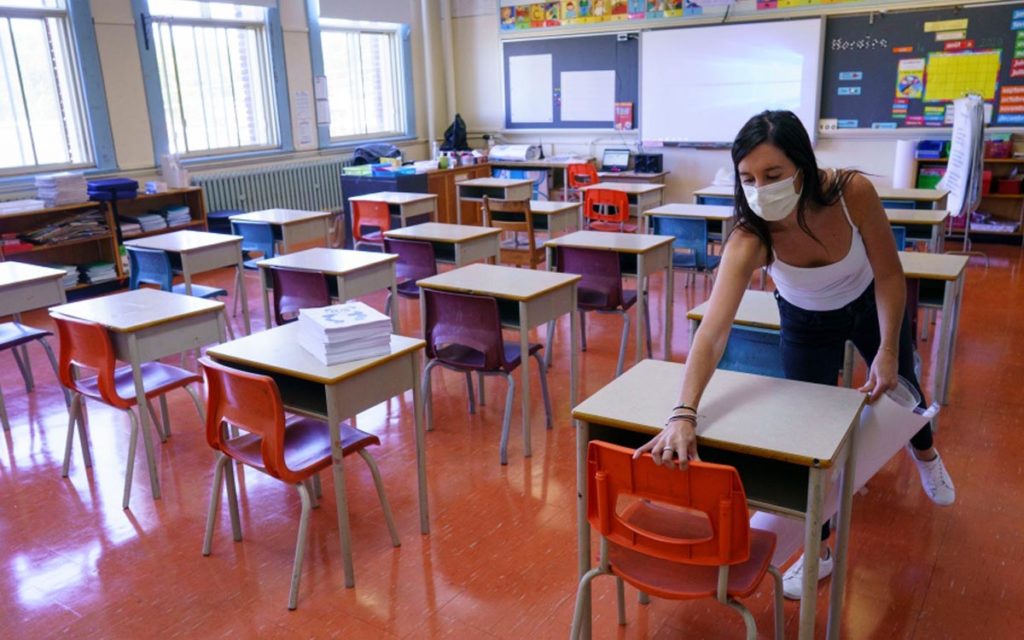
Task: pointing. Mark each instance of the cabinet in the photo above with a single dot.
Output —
(1006, 210)
(442, 183)
(191, 197)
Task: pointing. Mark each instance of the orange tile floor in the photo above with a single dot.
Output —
(500, 559)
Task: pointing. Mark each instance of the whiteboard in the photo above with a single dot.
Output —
(701, 84)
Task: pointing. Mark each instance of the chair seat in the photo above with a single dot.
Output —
(462, 357)
(376, 237)
(408, 289)
(682, 581)
(13, 334)
(597, 300)
(157, 378)
(688, 260)
(597, 225)
(201, 291)
(307, 446)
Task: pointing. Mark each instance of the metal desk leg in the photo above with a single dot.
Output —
(421, 445)
(340, 496)
(669, 296)
(812, 547)
(524, 374)
(641, 306)
(244, 296)
(573, 347)
(147, 437)
(264, 274)
(582, 525)
(848, 364)
(835, 602)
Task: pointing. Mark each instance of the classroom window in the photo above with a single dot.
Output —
(43, 124)
(215, 76)
(363, 63)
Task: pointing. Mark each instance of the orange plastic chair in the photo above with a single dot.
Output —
(607, 210)
(293, 452)
(87, 345)
(675, 534)
(370, 214)
(580, 175)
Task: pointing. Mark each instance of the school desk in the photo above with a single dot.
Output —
(356, 273)
(633, 176)
(538, 297)
(458, 244)
(296, 229)
(411, 208)
(198, 252)
(790, 441)
(935, 271)
(24, 287)
(550, 165)
(917, 198)
(926, 225)
(334, 393)
(642, 196)
(499, 188)
(146, 325)
(649, 254)
(553, 216)
(719, 217)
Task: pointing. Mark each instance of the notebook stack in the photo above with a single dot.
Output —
(71, 275)
(98, 272)
(85, 225)
(147, 221)
(344, 332)
(58, 189)
(176, 215)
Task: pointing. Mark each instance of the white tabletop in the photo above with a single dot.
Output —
(705, 211)
(441, 232)
(280, 216)
(130, 311)
(611, 241)
(548, 207)
(15, 273)
(757, 309)
(507, 283)
(395, 197)
(328, 261)
(932, 266)
(183, 241)
(493, 183)
(632, 188)
(917, 216)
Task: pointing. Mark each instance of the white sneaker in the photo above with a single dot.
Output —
(935, 479)
(793, 579)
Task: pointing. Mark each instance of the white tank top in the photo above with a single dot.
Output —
(832, 286)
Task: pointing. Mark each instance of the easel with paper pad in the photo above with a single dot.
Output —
(964, 170)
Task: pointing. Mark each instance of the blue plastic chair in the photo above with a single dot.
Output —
(900, 235)
(257, 237)
(691, 236)
(899, 204)
(753, 350)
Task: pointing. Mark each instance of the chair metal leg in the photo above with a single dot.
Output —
(622, 344)
(25, 366)
(481, 400)
(130, 468)
(69, 442)
(385, 505)
(748, 618)
(577, 616)
(3, 413)
(158, 425)
(779, 620)
(312, 494)
(647, 323)
(53, 363)
(469, 391)
(199, 409)
(544, 388)
(239, 283)
(620, 599)
(211, 514)
(236, 520)
(228, 329)
(583, 330)
(643, 598)
(507, 419)
(549, 348)
(428, 405)
(165, 416)
(300, 546)
(318, 489)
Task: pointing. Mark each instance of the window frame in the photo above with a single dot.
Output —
(403, 64)
(155, 97)
(95, 116)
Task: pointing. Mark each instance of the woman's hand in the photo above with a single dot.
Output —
(676, 441)
(882, 376)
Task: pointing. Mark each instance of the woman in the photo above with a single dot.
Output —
(828, 245)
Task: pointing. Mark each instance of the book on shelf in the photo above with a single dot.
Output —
(344, 332)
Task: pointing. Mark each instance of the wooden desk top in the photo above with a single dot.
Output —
(705, 211)
(131, 311)
(546, 163)
(507, 283)
(15, 273)
(632, 188)
(548, 207)
(632, 174)
(395, 197)
(917, 195)
(494, 183)
(932, 266)
(441, 232)
(933, 217)
(277, 350)
(611, 241)
(332, 262)
(184, 241)
(716, 191)
(797, 422)
(280, 216)
(757, 309)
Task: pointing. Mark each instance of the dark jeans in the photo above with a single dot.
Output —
(812, 345)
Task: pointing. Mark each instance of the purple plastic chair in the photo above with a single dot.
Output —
(601, 290)
(463, 333)
(294, 290)
(415, 262)
(12, 336)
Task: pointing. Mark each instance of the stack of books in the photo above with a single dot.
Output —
(344, 332)
(71, 275)
(176, 215)
(79, 227)
(12, 207)
(149, 221)
(94, 272)
(58, 189)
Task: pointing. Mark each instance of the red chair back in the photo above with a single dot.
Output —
(601, 284)
(606, 205)
(467, 320)
(415, 259)
(711, 493)
(581, 175)
(252, 403)
(294, 290)
(370, 214)
(86, 344)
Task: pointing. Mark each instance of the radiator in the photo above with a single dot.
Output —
(310, 186)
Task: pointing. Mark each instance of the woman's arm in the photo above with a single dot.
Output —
(890, 285)
(743, 254)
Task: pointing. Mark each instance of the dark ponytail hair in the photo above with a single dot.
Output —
(782, 129)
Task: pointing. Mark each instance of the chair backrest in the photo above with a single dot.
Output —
(711, 495)
(294, 290)
(753, 350)
(899, 204)
(899, 234)
(606, 205)
(415, 259)
(467, 320)
(256, 237)
(581, 175)
(691, 236)
(369, 214)
(251, 402)
(150, 266)
(86, 345)
(514, 216)
(601, 271)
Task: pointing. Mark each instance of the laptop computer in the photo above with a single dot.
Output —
(615, 160)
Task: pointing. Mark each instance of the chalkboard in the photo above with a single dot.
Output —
(902, 69)
(603, 53)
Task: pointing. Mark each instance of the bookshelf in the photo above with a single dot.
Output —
(191, 197)
(1005, 208)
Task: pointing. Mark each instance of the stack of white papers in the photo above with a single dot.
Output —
(19, 206)
(59, 189)
(71, 275)
(176, 216)
(344, 332)
(149, 221)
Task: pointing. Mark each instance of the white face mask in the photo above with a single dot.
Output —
(775, 201)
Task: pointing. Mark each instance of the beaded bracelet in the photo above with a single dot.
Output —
(691, 419)
(683, 405)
